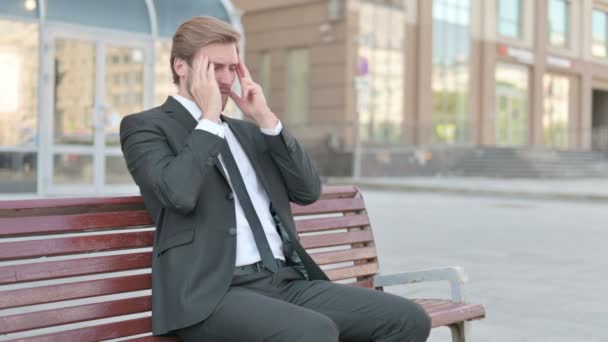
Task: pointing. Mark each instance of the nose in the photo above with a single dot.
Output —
(224, 77)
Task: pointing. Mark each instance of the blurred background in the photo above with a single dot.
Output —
(506, 100)
(399, 88)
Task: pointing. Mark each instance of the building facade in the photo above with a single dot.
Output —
(71, 69)
(529, 74)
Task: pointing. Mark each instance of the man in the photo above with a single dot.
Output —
(227, 264)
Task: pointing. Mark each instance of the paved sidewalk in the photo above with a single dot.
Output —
(558, 189)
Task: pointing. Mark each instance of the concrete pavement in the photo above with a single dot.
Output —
(555, 189)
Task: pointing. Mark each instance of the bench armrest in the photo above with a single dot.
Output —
(455, 275)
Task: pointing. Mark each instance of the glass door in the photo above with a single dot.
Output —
(93, 83)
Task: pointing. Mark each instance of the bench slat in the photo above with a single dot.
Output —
(325, 258)
(69, 202)
(343, 191)
(154, 339)
(352, 271)
(74, 314)
(19, 226)
(336, 239)
(77, 290)
(327, 206)
(445, 312)
(330, 223)
(76, 244)
(75, 267)
(97, 333)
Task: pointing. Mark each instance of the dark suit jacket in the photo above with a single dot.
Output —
(185, 190)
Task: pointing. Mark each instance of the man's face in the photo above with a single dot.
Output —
(225, 59)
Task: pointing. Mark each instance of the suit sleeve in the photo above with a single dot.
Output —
(299, 173)
(175, 179)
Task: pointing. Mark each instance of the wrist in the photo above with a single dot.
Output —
(211, 116)
(267, 120)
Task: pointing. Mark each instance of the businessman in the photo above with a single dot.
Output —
(227, 264)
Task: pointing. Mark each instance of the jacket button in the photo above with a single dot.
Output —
(230, 196)
(210, 161)
(232, 231)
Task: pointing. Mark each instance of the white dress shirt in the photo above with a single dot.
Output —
(246, 249)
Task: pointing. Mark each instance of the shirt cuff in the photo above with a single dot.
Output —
(273, 131)
(211, 127)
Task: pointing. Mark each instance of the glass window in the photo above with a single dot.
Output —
(124, 97)
(129, 15)
(381, 43)
(264, 75)
(298, 87)
(74, 92)
(163, 78)
(18, 84)
(451, 45)
(170, 14)
(18, 172)
(116, 171)
(556, 108)
(511, 105)
(73, 169)
(510, 18)
(559, 23)
(599, 33)
(20, 8)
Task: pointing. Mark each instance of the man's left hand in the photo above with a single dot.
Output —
(252, 101)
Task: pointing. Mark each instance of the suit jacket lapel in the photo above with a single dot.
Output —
(249, 148)
(181, 114)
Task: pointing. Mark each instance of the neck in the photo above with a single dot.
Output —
(181, 91)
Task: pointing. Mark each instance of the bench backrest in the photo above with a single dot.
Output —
(70, 267)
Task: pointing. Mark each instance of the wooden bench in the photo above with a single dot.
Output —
(79, 269)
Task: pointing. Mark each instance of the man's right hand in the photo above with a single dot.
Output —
(203, 88)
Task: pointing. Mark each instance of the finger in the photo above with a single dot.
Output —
(203, 67)
(211, 72)
(247, 90)
(244, 70)
(237, 99)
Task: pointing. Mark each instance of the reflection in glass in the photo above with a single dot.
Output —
(381, 43)
(72, 169)
(451, 44)
(509, 18)
(74, 92)
(18, 83)
(163, 78)
(556, 108)
(18, 172)
(599, 33)
(124, 88)
(559, 23)
(297, 94)
(116, 171)
(511, 105)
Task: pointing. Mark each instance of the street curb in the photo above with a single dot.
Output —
(560, 196)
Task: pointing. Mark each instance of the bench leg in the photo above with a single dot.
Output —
(460, 332)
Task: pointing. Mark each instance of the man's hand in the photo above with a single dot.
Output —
(203, 88)
(252, 101)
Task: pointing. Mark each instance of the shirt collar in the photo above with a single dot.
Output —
(190, 106)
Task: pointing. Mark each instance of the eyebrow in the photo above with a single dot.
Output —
(222, 64)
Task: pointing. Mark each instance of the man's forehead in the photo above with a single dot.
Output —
(221, 53)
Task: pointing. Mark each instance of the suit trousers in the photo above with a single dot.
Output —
(283, 306)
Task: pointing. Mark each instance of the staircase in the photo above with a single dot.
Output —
(527, 163)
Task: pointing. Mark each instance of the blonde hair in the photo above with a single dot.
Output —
(196, 33)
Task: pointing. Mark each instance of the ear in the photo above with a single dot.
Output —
(181, 67)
